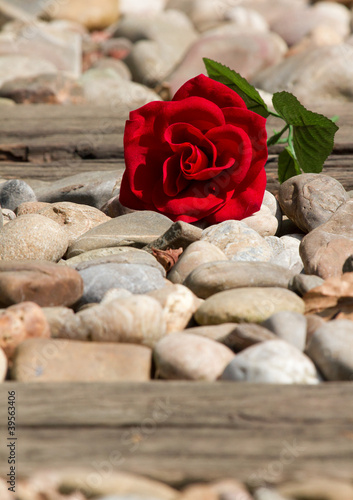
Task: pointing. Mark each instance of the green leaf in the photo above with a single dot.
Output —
(313, 133)
(236, 82)
(287, 165)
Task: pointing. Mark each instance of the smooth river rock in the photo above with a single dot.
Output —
(331, 348)
(179, 305)
(59, 360)
(136, 278)
(137, 319)
(274, 362)
(45, 283)
(75, 218)
(184, 356)
(238, 241)
(213, 277)
(32, 237)
(247, 305)
(246, 335)
(325, 249)
(309, 200)
(15, 192)
(196, 254)
(20, 322)
(289, 326)
(135, 229)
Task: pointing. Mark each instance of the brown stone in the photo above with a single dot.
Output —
(313, 323)
(75, 218)
(20, 322)
(325, 249)
(246, 335)
(64, 323)
(30, 207)
(45, 283)
(59, 360)
(309, 200)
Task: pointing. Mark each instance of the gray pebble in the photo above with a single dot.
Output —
(135, 278)
(289, 326)
(15, 192)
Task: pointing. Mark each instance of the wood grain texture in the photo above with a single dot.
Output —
(180, 432)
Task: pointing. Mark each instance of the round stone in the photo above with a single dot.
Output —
(135, 278)
(184, 356)
(15, 192)
(274, 362)
(213, 277)
(247, 305)
(238, 241)
(32, 237)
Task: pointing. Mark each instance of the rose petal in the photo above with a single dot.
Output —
(218, 93)
(246, 200)
(173, 178)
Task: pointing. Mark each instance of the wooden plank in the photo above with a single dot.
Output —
(180, 432)
(45, 133)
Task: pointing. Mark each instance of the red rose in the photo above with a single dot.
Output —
(200, 156)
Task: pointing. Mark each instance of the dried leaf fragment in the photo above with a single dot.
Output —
(168, 258)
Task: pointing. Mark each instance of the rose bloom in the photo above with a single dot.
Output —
(198, 157)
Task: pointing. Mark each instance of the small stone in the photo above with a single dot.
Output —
(302, 283)
(137, 278)
(248, 52)
(316, 488)
(31, 207)
(274, 362)
(135, 229)
(138, 319)
(196, 254)
(88, 188)
(106, 87)
(20, 322)
(32, 237)
(325, 249)
(87, 12)
(331, 347)
(76, 219)
(45, 283)
(271, 202)
(15, 192)
(213, 332)
(20, 66)
(63, 323)
(184, 356)
(289, 326)
(119, 255)
(6, 102)
(44, 89)
(58, 360)
(247, 305)
(179, 305)
(213, 277)
(115, 293)
(6, 216)
(158, 47)
(179, 234)
(123, 255)
(246, 335)
(291, 243)
(311, 199)
(238, 241)
(263, 222)
(119, 483)
(313, 323)
(317, 74)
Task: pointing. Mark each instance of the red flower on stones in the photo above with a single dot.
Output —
(198, 157)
